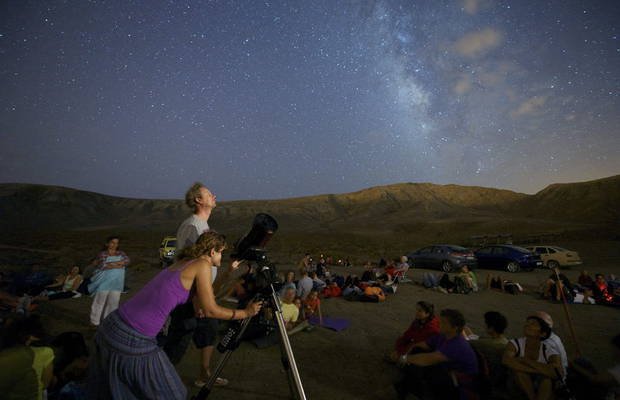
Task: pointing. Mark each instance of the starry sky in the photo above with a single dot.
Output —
(272, 99)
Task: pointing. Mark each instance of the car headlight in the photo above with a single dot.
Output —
(170, 253)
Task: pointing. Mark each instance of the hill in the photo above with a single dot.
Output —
(401, 207)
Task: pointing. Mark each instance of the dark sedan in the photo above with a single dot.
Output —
(446, 257)
(507, 257)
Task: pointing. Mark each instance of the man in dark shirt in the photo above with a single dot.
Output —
(448, 365)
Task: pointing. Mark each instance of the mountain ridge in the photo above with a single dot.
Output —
(32, 206)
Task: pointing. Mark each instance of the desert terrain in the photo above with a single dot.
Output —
(52, 228)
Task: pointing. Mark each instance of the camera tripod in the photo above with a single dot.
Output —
(232, 340)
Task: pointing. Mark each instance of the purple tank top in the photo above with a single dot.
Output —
(148, 310)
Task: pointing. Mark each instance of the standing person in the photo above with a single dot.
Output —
(108, 280)
(127, 363)
(188, 322)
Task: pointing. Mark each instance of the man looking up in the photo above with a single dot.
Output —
(186, 320)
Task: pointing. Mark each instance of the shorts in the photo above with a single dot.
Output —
(205, 332)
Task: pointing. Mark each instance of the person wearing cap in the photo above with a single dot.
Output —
(534, 364)
(554, 340)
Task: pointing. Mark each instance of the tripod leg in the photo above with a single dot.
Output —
(206, 389)
(288, 359)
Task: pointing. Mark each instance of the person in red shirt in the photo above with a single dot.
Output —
(332, 290)
(424, 326)
(312, 306)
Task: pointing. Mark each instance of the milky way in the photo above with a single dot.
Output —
(279, 99)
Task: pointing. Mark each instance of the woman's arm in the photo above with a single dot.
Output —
(426, 359)
(76, 283)
(547, 369)
(206, 298)
(510, 360)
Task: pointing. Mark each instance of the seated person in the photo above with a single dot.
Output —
(312, 306)
(389, 271)
(373, 294)
(430, 280)
(499, 284)
(585, 280)
(351, 286)
(332, 290)
(304, 285)
(607, 382)
(25, 370)
(492, 346)
(289, 282)
(448, 359)
(320, 266)
(64, 288)
(556, 285)
(534, 365)
(369, 274)
(300, 306)
(554, 341)
(290, 313)
(424, 325)
(601, 291)
(469, 277)
(317, 284)
(445, 284)
(70, 366)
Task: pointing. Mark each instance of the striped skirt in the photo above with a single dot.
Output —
(128, 365)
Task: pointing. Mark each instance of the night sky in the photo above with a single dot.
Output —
(268, 99)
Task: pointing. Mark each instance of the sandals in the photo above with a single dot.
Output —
(218, 382)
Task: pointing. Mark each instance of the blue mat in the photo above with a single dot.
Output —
(335, 324)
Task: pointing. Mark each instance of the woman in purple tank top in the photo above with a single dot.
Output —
(127, 363)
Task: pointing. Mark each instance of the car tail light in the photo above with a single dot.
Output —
(457, 254)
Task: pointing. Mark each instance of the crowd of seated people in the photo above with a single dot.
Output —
(34, 365)
(600, 290)
(464, 282)
(444, 359)
(373, 286)
(20, 292)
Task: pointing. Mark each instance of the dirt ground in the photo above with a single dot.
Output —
(349, 364)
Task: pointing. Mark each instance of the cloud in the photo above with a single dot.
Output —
(475, 44)
(530, 106)
(463, 85)
(472, 7)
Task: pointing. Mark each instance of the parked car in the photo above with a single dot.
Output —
(446, 257)
(167, 250)
(554, 256)
(508, 257)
